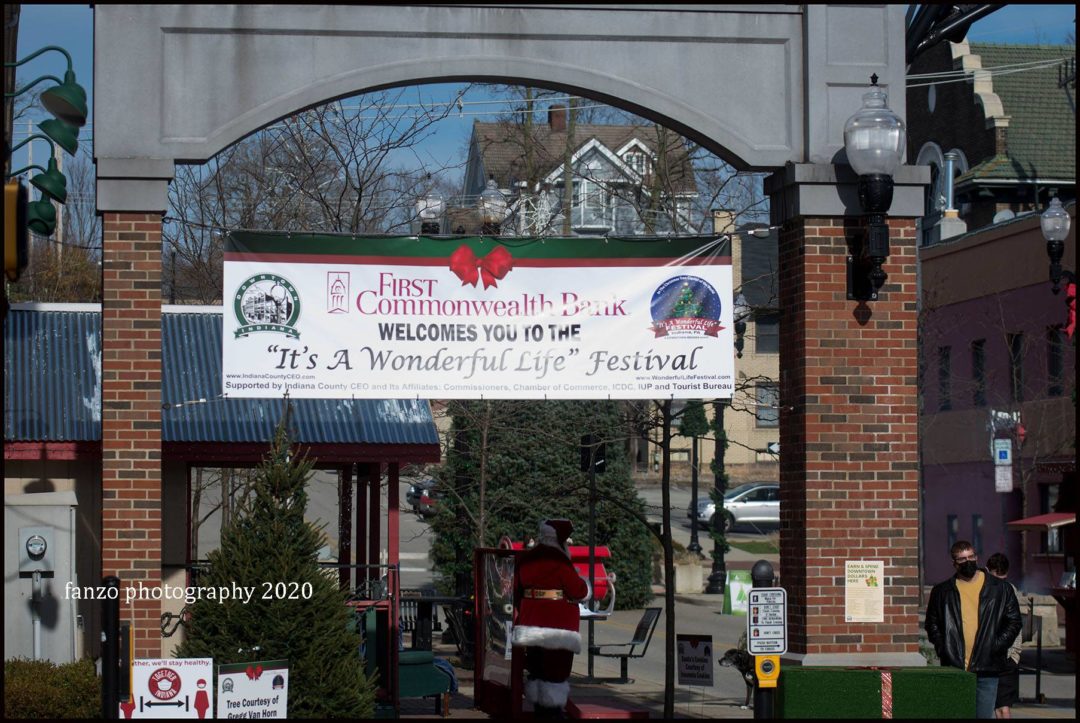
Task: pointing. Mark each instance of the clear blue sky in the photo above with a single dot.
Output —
(71, 27)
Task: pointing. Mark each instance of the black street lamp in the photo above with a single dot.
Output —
(718, 575)
(1055, 229)
(874, 139)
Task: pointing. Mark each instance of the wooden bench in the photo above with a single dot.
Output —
(635, 648)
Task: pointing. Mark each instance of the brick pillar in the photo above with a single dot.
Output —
(849, 451)
(131, 417)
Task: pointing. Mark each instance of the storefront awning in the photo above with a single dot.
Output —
(1045, 522)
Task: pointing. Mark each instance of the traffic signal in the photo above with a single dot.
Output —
(15, 237)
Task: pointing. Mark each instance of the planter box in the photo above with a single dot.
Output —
(934, 693)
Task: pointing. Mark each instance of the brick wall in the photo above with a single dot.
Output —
(849, 467)
(131, 416)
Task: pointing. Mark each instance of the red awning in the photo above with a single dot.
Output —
(1045, 522)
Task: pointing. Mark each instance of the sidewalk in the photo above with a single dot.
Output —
(724, 699)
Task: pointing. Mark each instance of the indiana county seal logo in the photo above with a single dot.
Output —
(267, 302)
(685, 306)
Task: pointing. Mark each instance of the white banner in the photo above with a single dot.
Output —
(471, 318)
(254, 690)
(170, 688)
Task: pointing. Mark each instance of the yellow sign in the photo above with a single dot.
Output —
(767, 668)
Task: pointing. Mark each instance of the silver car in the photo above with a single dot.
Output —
(754, 502)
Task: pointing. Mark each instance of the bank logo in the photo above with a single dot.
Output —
(685, 306)
(267, 302)
(337, 292)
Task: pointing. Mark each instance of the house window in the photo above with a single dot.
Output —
(593, 207)
(768, 405)
(1016, 366)
(767, 328)
(1051, 540)
(978, 372)
(636, 160)
(952, 529)
(944, 378)
(1055, 368)
(976, 533)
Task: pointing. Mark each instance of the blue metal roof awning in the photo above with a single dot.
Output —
(52, 388)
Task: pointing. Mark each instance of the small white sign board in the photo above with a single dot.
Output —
(170, 688)
(695, 659)
(254, 690)
(864, 592)
(766, 621)
(1003, 451)
(1003, 478)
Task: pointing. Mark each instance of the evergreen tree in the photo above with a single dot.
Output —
(512, 464)
(269, 541)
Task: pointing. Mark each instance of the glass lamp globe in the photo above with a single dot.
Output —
(492, 204)
(431, 206)
(875, 137)
(1055, 222)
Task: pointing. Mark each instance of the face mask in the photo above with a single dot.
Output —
(968, 568)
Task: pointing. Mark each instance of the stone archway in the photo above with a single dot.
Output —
(764, 87)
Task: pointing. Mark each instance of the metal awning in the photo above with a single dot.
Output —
(1042, 523)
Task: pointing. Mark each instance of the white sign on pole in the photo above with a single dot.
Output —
(405, 318)
(170, 688)
(1003, 451)
(695, 659)
(766, 632)
(254, 690)
(1003, 478)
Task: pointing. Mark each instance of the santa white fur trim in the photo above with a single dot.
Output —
(532, 690)
(552, 695)
(549, 638)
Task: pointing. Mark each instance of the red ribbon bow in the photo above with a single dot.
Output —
(495, 265)
(253, 672)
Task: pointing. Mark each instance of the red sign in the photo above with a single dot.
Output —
(164, 684)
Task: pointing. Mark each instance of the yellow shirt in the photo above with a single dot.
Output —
(969, 611)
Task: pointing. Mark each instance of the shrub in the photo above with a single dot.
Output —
(42, 689)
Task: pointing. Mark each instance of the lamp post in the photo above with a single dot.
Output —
(874, 138)
(742, 313)
(1055, 228)
(718, 575)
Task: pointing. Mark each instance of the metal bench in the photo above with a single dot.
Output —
(635, 648)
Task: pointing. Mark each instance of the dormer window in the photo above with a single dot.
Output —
(636, 160)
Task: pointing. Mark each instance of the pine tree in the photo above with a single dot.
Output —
(527, 453)
(269, 541)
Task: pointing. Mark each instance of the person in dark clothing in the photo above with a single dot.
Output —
(1008, 693)
(546, 591)
(971, 620)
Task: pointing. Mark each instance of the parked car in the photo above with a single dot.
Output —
(754, 502)
(412, 497)
(429, 499)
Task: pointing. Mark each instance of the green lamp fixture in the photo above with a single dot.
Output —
(66, 101)
(51, 183)
(62, 134)
(41, 217)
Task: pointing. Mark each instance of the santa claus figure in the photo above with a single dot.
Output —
(547, 589)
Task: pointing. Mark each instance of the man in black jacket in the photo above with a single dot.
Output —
(971, 620)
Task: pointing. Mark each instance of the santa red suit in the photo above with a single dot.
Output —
(546, 591)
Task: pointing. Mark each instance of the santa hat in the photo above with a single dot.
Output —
(559, 529)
